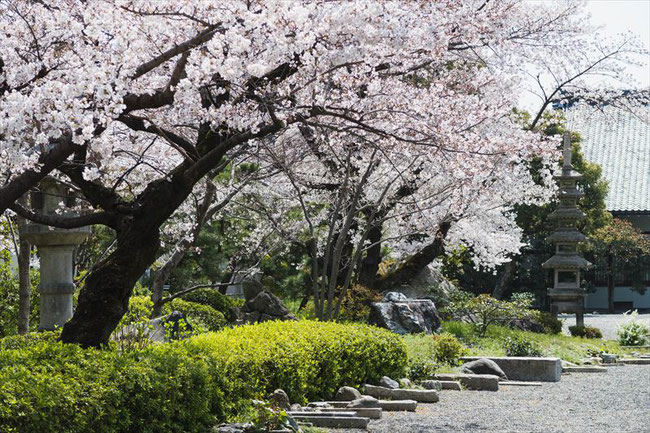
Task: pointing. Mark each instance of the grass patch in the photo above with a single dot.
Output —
(421, 347)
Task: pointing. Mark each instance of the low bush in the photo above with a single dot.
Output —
(211, 297)
(203, 316)
(184, 386)
(585, 331)
(356, 304)
(551, 324)
(515, 346)
(422, 369)
(633, 333)
(447, 349)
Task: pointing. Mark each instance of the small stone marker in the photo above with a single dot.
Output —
(347, 393)
(364, 402)
(483, 366)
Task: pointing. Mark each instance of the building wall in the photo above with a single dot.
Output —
(598, 300)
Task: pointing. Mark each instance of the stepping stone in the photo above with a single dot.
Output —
(635, 361)
(518, 383)
(398, 405)
(476, 382)
(585, 369)
(526, 368)
(320, 419)
(419, 395)
(366, 412)
(377, 391)
(450, 385)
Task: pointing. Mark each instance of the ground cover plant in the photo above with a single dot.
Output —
(47, 386)
(633, 333)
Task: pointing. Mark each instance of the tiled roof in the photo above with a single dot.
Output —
(620, 143)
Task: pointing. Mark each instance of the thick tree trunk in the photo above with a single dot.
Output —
(416, 263)
(506, 274)
(105, 296)
(370, 263)
(24, 285)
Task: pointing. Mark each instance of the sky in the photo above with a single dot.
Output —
(615, 17)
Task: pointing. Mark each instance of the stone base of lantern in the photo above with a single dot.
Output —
(568, 301)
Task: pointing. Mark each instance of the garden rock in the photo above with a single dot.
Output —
(233, 428)
(387, 382)
(484, 366)
(405, 383)
(431, 384)
(262, 307)
(364, 402)
(347, 393)
(280, 399)
(402, 315)
(526, 324)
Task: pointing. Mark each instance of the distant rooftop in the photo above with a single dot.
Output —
(620, 143)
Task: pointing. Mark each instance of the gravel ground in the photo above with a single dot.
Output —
(614, 402)
(607, 323)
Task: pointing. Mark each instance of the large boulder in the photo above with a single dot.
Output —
(484, 366)
(403, 315)
(430, 283)
(262, 306)
(347, 393)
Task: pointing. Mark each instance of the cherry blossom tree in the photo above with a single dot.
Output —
(133, 103)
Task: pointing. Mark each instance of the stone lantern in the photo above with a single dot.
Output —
(56, 253)
(566, 295)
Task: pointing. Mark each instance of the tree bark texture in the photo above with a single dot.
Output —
(24, 285)
(506, 274)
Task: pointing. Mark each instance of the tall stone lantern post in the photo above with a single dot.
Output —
(566, 295)
(56, 252)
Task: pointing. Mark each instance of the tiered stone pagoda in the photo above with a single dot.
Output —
(566, 295)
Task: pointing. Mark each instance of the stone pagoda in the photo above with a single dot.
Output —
(566, 295)
(56, 249)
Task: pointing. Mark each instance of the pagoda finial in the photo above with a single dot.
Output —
(566, 150)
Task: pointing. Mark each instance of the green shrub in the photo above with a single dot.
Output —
(422, 369)
(633, 333)
(309, 360)
(515, 346)
(551, 324)
(447, 349)
(200, 315)
(356, 304)
(222, 303)
(585, 331)
(49, 387)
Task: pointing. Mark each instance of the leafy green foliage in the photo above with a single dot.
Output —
(200, 315)
(484, 310)
(447, 349)
(184, 386)
(551, 324)
(211, 297)
(9, 297)
(585, 331)
(633, 333)
(356, 304)
(517, 346)
(422, 369)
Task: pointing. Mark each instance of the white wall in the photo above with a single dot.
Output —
(598, 300)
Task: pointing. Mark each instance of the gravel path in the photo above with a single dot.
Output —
(617, 401)
(607, 323)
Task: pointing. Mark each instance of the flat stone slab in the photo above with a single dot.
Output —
(324, 412)
(450, 385)
(527, 369)
(585, 369)
(476, 382)
(419, 395)
(398, 405)
(519, 383)
(320, 420)
(635, 361)
(377, 391)
(366, 412)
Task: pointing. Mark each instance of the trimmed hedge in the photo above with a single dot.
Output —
(47, 386)
(214, 299)
(203, 315)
